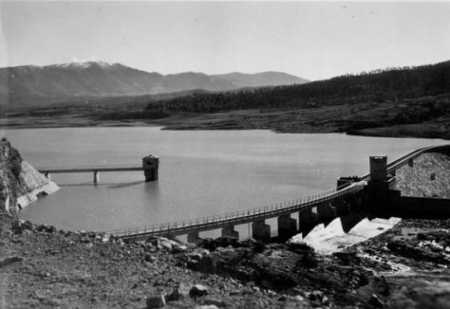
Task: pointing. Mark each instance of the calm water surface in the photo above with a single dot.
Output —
(201, 172)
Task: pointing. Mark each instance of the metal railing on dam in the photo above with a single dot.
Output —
(237, 217)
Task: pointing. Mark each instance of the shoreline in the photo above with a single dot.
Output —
(168, 125)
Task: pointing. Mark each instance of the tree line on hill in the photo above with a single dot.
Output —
(392, 85)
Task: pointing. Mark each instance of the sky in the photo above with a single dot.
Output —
(310, 40)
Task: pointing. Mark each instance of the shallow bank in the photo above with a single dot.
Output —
(320, 120)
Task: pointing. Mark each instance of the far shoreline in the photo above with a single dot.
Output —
(173, 125)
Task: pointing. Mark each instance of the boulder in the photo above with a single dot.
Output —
(170, 245)
(178, 248)
(198, 290)
(419, 253)
(156, 301)
(214, 301)
(316, 295)
(106, 237)
(179, 292)
(46, 228)
(206, 263)
(26, 225)
(18, 226)
(375, 301)
(149, 258)
(10, 260)
(348, 257)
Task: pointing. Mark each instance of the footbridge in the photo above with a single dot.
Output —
(352, 200)
(150, 166)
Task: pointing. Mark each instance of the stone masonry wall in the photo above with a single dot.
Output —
(428, 177)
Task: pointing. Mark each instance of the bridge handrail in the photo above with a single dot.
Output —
(267, 211)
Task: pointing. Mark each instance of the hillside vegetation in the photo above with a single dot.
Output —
(396, 86)
(412, 101)
(395, 102)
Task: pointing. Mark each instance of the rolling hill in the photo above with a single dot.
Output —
(407, 101)
(38, 85)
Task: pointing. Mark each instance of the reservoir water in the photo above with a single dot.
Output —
(201, 172)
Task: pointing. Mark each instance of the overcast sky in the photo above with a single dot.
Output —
(310, 40)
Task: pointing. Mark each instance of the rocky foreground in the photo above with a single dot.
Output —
(41, 267)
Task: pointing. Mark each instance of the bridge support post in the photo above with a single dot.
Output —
(193, 237)
(150, 164)
(287, 227)
(342, 207)
(327, 213)
(48, 175)
(307, 220)
(349, 221)
(96, 177)
(229, 232)
(261, 230)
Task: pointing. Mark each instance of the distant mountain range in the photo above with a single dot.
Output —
(34, 85)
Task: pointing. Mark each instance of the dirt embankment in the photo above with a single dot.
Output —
(42, 267)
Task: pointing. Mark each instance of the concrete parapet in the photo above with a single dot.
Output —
(327, 213)
(287, 227)
(261, 230)
(230, 232)
(350, 220)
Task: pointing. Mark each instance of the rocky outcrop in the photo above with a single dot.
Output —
(32, 185)
(20, 183)
(10, 168)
